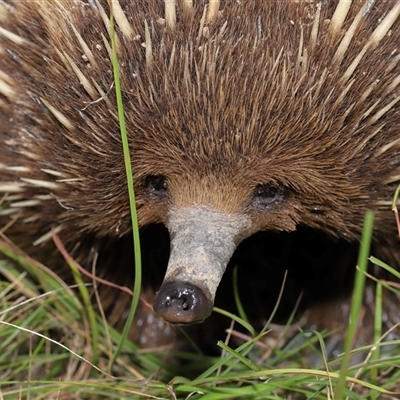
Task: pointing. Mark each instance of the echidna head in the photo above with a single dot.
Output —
(213, 186)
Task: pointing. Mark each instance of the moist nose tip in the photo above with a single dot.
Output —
(182, 303)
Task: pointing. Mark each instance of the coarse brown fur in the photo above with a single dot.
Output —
(259, 94)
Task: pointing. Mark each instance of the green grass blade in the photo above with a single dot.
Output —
(132, 200)
(238, 303)
(358, 293)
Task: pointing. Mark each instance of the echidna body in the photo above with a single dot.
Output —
(241, 116)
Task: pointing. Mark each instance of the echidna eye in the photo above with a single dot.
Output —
(157, 184)
(266, 194)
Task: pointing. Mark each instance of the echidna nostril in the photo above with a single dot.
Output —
(182, 303)
(185, 305)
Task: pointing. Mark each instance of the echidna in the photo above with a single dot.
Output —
(242, 116)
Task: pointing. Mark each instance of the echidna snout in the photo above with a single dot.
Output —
(202, 243)
(182, 303)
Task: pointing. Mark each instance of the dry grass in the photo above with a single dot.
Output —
(48, 350)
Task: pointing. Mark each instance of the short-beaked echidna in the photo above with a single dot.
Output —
(242, 116)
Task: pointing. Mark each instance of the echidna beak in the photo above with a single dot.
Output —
(182, 303)
(202, 243)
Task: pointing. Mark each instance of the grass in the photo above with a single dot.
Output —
(130, 187)
(48, 350)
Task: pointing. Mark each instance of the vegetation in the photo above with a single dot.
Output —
(53, 345)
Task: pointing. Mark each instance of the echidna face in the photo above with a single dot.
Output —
(207, 216)
(212, 189)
